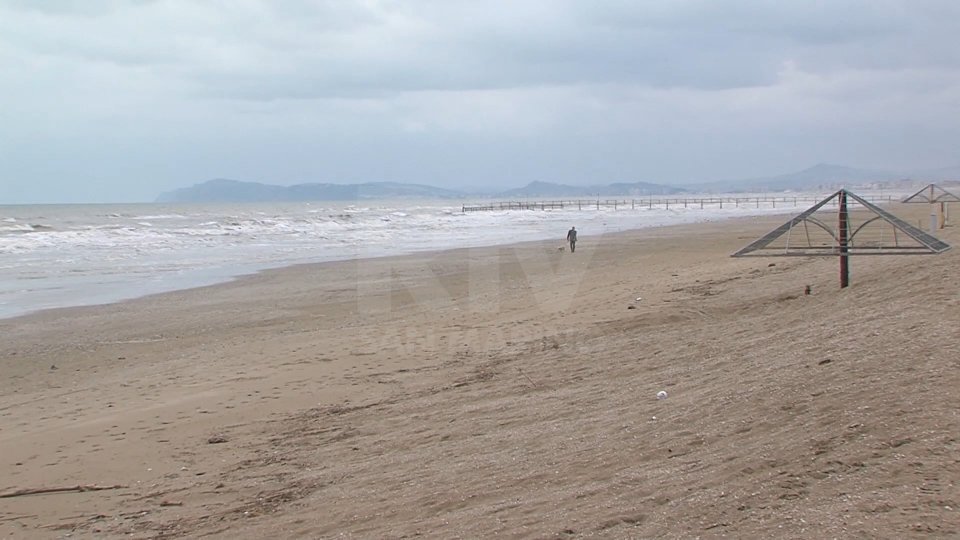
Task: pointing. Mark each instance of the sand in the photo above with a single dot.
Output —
(501, 391)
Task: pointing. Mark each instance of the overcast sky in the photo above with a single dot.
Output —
(119, 100)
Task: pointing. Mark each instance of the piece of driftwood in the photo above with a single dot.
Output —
(68, 489)
(14, 518)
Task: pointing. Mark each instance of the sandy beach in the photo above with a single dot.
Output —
(506, 390)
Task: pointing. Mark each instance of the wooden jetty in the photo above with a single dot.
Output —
(654, 202)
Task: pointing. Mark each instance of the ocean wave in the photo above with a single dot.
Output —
(208, 237)
(163, 216)
(24, 228)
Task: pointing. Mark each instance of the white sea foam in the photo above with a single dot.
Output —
(52, 256)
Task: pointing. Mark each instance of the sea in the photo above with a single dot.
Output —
(55, 256)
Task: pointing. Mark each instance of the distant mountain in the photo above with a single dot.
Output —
(822, 177)
(819, 177)
(223, 190)
(620, 189)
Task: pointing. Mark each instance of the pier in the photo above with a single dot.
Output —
(653, 202)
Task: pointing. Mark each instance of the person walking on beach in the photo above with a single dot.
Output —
(572, 238)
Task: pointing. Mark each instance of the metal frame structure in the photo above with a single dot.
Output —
(939, 215)
(844, 239)
(936, 195)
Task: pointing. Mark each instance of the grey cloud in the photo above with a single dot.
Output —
(148, 95)
(280, 50)
(697, 45)
(305, 50)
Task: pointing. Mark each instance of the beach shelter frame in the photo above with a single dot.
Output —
(933, 194)
(844, 245)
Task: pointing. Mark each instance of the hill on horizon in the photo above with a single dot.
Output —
(821, 177)
(225, 190)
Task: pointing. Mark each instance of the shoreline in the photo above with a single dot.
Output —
(220, 276)
(59, 290)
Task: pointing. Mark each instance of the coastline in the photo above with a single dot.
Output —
(221, 276)
(379, 397)
(61, 274)
(261, 275)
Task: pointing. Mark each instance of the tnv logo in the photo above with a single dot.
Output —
(474, 280)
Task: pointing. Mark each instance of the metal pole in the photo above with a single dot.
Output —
(844, 230)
